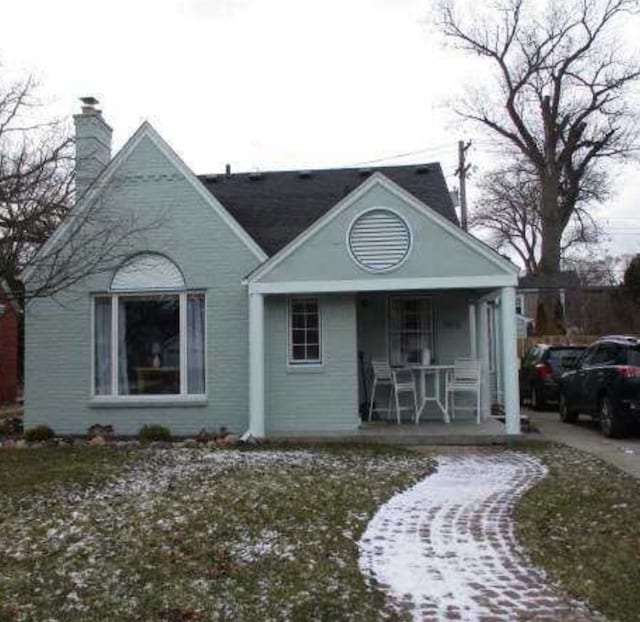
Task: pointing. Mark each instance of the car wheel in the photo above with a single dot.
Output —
(566, 415)
(536, 402)
(610, 423)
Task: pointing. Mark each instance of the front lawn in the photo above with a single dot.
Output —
(192, 535)
(582, 524)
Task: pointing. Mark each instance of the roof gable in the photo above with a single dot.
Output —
(440, 246)
(145, 131)
(275, 207)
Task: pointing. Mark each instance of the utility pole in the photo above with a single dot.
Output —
(461, 172)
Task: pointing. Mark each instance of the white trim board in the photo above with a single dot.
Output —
(378, 179)
(146, 130)
(382, 285)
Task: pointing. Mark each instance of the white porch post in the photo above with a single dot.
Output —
(510, 359)
(473, 350)
(482, 322)
(256, 365)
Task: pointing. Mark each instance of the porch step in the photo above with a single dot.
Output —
(489, 432)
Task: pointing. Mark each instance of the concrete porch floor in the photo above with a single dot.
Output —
(459, 432)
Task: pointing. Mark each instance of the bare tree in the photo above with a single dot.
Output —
(560, 97)
(37, 194)
(597, 269)
(508, 210)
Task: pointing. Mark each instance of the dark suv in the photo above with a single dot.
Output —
(541, 369)
(605, 384)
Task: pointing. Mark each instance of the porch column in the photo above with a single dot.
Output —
(482, 322)
(473, 350)
(256, 365)
(509, 359)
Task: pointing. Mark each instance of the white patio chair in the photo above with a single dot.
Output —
(399, 381)
(464, 378)
(404, 381)
(382, 376)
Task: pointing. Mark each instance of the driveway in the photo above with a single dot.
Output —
(584, 434)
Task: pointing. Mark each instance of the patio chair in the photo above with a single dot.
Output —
(382, 376)
(464, 378)
(399, 381)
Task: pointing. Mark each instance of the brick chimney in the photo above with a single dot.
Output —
(93, 144)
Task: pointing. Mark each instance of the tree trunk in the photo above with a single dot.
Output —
(552, 230)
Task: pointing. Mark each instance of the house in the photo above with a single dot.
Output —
(9, 326)
(262, 298)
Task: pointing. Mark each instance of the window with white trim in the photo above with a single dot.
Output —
(304, 331)
(410, 330)
(149, 340)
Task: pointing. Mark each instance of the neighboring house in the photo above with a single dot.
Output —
(9, 326)
(250, 305)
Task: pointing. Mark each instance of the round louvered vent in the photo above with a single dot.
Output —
(147, 272)
(379, 240)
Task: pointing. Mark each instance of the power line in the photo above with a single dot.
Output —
(435, 148)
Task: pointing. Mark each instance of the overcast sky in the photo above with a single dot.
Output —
(267, 84)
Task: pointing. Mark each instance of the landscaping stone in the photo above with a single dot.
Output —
(21, 444)
(97, 441)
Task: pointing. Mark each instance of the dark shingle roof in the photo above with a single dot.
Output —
(275, 207)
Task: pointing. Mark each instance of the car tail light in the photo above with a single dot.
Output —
(543, 370)
(629, 371)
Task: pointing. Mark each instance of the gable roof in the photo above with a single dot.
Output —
(275, 207)
(378, 178)
(146, 130)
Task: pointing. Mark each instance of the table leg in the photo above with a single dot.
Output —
(446, 399)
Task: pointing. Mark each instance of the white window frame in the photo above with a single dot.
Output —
(391, 331)
(520, 304)
(114, 395)
(307, 363)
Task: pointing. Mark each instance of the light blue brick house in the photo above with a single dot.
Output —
(259, 300)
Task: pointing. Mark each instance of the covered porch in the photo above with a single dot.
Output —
(331, 397)
(424, 336)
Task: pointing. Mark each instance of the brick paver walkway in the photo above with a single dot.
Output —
(445, 549)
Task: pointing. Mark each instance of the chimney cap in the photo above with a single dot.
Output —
(89, 100)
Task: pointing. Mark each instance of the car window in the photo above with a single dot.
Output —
(587, 358)
(558, 356)
(632, 356)
(606, 354)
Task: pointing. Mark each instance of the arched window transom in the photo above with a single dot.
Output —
(148, 272)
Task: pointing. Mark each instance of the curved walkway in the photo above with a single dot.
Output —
(445, 549)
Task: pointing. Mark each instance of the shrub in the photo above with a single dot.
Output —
(39, 433)
(154, 432)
